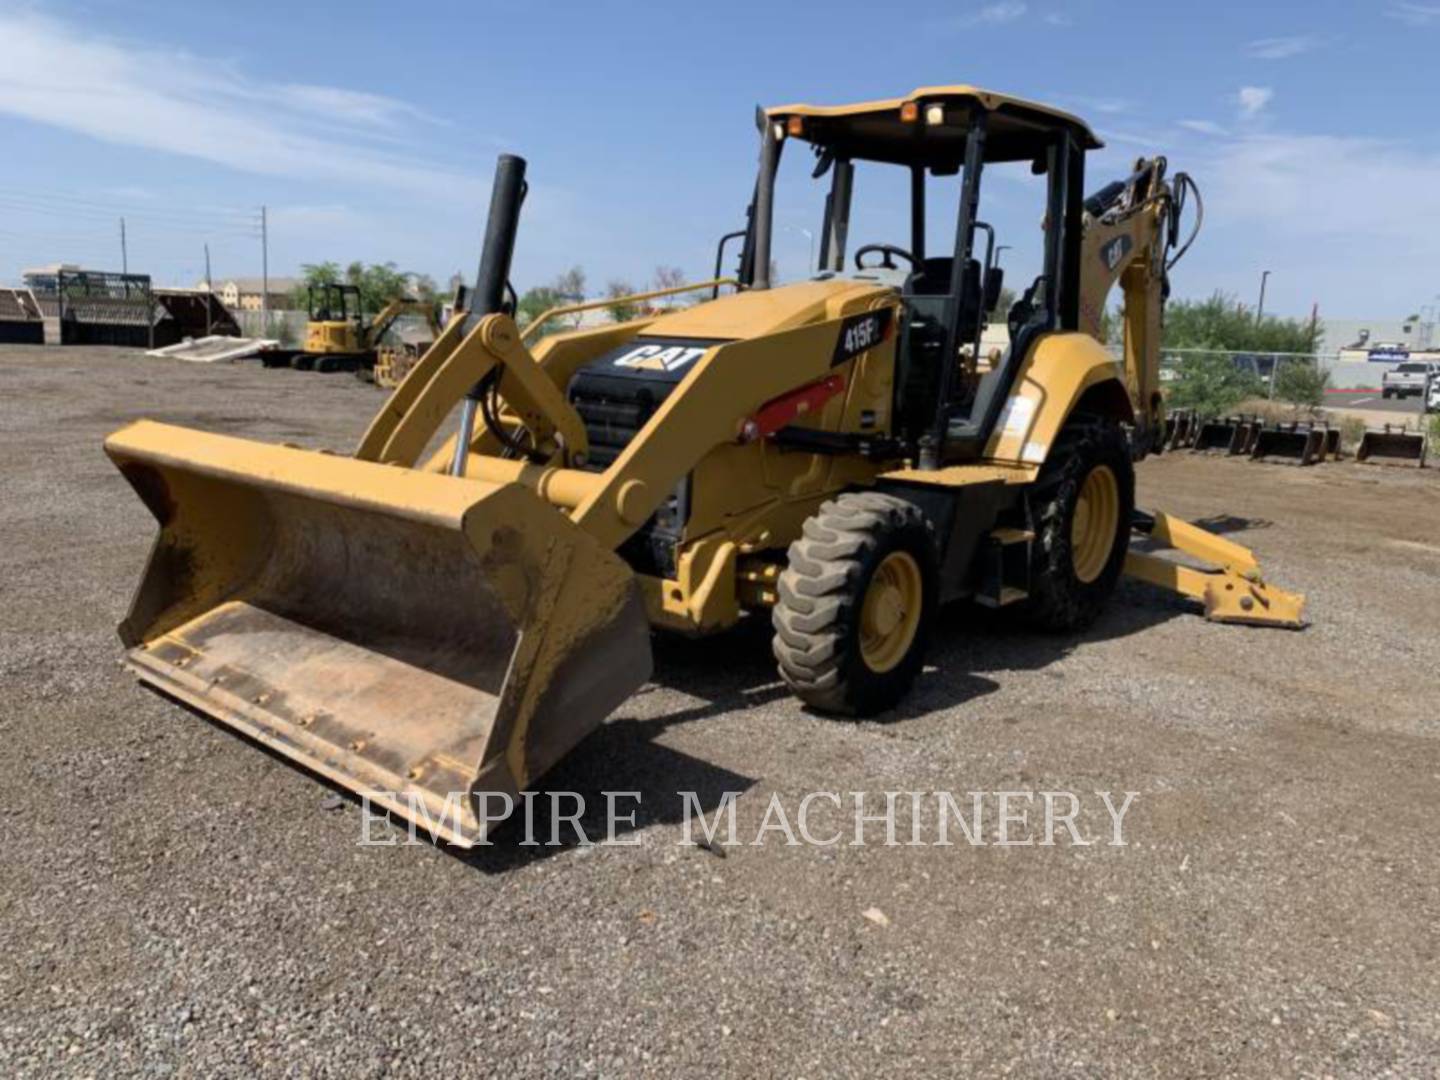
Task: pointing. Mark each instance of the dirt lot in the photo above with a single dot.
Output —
(175, 901)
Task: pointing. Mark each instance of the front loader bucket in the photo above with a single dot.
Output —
(422, 639)
(1291, 443)
(1399, 447)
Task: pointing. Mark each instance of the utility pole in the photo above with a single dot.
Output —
(124, 256)
(209, 294)
(264, 274)
(1260, 311)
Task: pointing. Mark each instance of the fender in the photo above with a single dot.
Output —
(1061, 370)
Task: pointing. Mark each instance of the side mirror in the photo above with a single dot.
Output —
(994, 283)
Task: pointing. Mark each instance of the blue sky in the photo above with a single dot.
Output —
(370, 130)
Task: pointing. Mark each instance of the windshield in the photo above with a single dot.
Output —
(911, 229)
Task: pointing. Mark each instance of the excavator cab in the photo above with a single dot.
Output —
(336, 326)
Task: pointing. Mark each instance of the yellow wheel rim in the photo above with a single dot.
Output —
(890, 613)
(1095, 524)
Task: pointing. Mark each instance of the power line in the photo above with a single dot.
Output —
(112, 207)
(103, 224)
(32, 205)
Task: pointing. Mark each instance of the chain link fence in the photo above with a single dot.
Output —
(286, 326)
(1271, 372)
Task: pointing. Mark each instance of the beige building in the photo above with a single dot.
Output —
(244, 294)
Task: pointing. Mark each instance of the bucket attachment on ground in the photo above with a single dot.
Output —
(1246, 432)
(419, 638)
(1392, 447)
(1295, 443)
(1180, 427)
(1216, 435)
(1229, 582)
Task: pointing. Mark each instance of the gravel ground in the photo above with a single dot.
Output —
(176, 901)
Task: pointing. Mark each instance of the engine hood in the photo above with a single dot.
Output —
(746, 315)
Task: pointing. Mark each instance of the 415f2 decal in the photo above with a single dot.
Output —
(861, 333)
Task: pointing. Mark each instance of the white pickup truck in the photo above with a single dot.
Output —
(1409, 378)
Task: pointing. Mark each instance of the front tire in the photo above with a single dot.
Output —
(856, 604)
(1080, 507)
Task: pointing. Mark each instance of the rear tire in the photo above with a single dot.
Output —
(856, 604)
(1083, 501)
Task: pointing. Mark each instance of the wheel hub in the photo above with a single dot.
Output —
(1095, 523)
(890, 613)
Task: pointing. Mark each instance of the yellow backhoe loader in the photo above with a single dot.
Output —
(841, 455)
(338, 336)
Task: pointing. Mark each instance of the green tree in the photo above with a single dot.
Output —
(312, 274)
(567, 288)
(1222, 323)
(1211, 384)
(1301, 383)
(1001, 311)
(379, 283)
(534, 302)
(621, 312)
(571, 285)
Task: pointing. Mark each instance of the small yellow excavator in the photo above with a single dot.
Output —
(338, 337)
(842, 455)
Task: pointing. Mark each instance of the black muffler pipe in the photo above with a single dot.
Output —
(491, 279)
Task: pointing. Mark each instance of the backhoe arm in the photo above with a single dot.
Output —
(1130, 228)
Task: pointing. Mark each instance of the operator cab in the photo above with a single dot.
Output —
(332, 301)
(952, 376)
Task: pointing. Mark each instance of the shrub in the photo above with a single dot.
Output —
(1352, 430)
(1301, 383)
(1222, 323)
(1212, 385)
(621, 312)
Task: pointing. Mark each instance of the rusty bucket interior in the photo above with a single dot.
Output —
(421, 639)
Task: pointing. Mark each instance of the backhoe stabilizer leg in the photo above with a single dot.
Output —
(1230, 585)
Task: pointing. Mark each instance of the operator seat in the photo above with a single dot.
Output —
(922, 345)
(930, 278)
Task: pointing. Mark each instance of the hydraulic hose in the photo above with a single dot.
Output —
(1184, 184)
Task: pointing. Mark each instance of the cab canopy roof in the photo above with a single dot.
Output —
(928, 127)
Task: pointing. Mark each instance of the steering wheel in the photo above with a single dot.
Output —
(889, 251)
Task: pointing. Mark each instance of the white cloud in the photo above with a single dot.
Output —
(1307, 206)
(1413, 13)
(178, 103)
(1282, 48)
(1058, 18)
(1252, 99)
(1204, 127)
(1109, 106)
(1003, 11)
(1318, 184)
